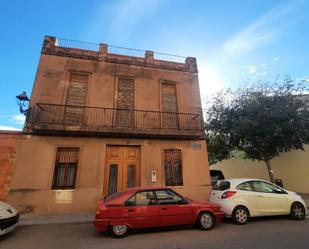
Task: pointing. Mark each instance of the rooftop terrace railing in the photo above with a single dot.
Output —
(66, 43)
(126, 51)
(169, 57)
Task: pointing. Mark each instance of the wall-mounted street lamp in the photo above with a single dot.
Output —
(23, 101)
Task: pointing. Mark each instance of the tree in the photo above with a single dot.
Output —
(258, 122)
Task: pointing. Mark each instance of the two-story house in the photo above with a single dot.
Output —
(102, 119)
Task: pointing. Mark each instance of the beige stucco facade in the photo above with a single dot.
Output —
(95, 126)
(31, 184)
(292, 167)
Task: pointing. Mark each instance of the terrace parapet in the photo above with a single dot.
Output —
(113, 54)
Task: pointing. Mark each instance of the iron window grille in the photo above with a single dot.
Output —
(65, 168)
(173, 167)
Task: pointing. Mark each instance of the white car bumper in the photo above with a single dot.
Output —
(9, 224)
(227, 206)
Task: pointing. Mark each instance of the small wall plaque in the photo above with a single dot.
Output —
(196, 146)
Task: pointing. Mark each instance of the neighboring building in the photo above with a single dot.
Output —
(102, 119)
(9, 141)
(291, 167)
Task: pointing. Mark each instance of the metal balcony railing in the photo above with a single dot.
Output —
(98, 118)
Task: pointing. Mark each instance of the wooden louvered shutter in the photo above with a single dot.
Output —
(169, 106)
(76, 98)
(125, 103)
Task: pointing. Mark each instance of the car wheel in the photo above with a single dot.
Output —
(298, 211)
(240, 215)
(205, 221)
(118, 231)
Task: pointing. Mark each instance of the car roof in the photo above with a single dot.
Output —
(124, 195)
(137, 189)
(146, 188)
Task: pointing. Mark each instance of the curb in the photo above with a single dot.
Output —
(31, 220)
(25, 224)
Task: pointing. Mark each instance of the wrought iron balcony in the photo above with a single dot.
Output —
(97, 121)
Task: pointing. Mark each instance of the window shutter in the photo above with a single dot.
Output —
(78, 86)
(125, 101)
(125, 94)
(169, 100)
(76, 96)
(169, 107)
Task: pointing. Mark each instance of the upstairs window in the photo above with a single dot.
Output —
(173, 167)
(65, 168)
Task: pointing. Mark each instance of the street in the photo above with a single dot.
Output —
(272, 233)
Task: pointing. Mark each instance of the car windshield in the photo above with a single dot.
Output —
(222, 185)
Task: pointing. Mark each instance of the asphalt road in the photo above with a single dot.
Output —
(264, 233)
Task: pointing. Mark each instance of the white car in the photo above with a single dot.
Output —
(9, 217)
(244, 198)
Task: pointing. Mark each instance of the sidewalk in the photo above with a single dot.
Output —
(32, 219)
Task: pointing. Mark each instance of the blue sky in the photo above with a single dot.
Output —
(234, 41)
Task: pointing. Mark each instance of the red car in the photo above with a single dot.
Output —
(152, 207)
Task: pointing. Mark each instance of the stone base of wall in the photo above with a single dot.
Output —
(8, 146)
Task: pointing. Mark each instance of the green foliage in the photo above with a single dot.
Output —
(260, 122)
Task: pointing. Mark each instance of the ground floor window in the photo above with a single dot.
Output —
(173, 167)
(65, 168)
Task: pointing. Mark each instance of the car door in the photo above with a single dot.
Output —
(174, 209)
(271, 199)
(247, 197)
(141, 210)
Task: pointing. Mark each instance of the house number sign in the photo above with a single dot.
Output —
(196, 146)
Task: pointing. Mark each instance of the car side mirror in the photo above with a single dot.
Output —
(183, 201)
(130, 203)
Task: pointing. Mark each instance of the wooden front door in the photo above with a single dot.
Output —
(122, 168)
